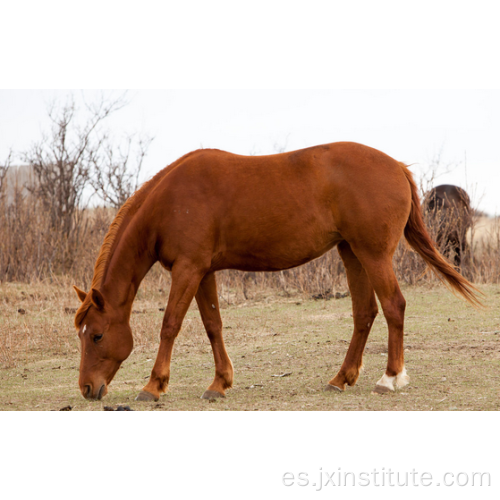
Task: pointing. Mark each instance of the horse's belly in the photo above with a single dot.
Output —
(273, 255)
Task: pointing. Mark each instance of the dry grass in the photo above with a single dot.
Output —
(452, 352)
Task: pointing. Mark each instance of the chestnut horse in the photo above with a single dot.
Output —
(448, 208)
(212, 210)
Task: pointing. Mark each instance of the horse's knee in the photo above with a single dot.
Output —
(213, 328)
(373, 312)
(365, 319)
(372, 315)
(170, 330)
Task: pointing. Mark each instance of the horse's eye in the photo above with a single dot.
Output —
(97, 338)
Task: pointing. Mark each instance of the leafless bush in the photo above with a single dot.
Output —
(46, 227)
(62, 164)
(436, 166)
(116, 174)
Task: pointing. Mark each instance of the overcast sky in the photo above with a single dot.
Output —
(413, 126)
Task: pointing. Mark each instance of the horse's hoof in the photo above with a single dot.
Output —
(332, 388)
(146, 396)
(212, 395)
(381, 389)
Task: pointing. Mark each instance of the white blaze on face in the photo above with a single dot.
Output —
(84, 328)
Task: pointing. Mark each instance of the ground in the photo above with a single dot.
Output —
(284, 350)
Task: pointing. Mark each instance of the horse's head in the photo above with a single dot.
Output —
(106, 341)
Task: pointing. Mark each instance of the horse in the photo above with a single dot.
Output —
(212, 210)
(449, 211)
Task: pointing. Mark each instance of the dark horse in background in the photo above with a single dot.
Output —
(449, 213)
(211, 210)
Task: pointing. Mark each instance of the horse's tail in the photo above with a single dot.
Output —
(417, 236)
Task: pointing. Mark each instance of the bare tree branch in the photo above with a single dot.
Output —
(116, 173)
(63, 161)
(436, 167)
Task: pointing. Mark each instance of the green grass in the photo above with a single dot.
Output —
(452, 354)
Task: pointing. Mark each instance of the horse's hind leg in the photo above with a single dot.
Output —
(185, 281)
(208, 304)
(364, 311)
(383, 279)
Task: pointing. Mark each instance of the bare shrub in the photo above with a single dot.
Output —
(24, 253)
(62, 162)
(46, 226)
(116, 171)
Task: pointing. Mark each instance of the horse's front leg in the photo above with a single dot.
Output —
(185, 281)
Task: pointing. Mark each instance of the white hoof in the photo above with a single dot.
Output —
(400, 380)
(386, 382)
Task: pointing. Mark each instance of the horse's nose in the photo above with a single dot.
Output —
(89, 393)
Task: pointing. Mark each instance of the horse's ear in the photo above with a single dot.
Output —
(81, 294)
(97, 299)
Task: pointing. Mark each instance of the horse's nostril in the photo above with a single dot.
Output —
(87, 391)
(101, 391)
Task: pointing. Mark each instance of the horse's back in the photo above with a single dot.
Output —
(309, 175)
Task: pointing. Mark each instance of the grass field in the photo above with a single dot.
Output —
(452, 353)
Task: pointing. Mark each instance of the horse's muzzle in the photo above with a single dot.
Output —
(89, 393)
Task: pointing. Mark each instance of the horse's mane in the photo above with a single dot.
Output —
(117, 227)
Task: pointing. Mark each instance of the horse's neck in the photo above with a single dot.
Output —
(129, 263)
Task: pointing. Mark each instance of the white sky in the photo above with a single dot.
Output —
(410, 125)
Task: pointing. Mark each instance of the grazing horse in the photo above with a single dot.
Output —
(212, 210)
(449, 210)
